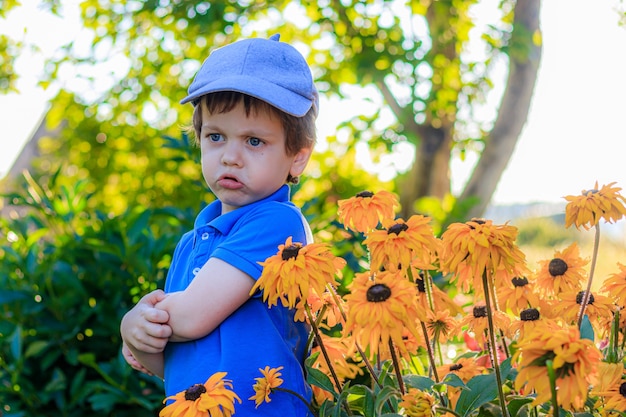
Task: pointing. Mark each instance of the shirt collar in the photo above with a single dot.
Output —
(211, 214)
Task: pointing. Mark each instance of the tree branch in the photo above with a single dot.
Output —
(513, 111)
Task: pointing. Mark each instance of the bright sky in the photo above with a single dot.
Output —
(575, 134)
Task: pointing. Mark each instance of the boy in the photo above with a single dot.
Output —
(254, 117)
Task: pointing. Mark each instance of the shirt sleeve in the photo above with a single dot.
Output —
(257, 235)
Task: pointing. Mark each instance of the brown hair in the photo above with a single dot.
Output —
(299, 131)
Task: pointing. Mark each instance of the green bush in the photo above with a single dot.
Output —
(68, 274)
(545, 232)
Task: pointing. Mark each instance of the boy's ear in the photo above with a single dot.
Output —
(300, 160)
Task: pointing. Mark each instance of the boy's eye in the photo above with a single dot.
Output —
(255, 141)
(214, 137)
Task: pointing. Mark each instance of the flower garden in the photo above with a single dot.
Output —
(449, 325)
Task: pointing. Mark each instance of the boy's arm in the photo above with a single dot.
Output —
(145, 333)
(215, 293)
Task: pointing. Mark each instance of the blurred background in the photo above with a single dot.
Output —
(477, 108)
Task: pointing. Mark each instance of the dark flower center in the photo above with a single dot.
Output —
(530, 314)
(291, 252)
(557, 267)
(480, 311)
(519, 281)
(475, 220)
(581, 295)
(378, 293)
(456, 367)
(194, 392)
(421, 286)
(365, 194)
(397, 228)
(622, 389)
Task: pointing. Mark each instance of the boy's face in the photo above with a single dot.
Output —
(243, 157)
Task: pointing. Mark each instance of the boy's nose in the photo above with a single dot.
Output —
(232, 154)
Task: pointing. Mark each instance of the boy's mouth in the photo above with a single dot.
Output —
(229, 182)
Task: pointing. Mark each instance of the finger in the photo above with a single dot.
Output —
(153, 297)
(156, 315)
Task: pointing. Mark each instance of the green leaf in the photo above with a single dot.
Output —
(9, 296)
(515, 405)
(36, 348)
(320, 379)
(481, 389)
(420, 382)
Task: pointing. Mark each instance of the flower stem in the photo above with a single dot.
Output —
(318, 338)
(300, 397)
(552, 377)
(612, 356)
(492, 344)
(396, 367)
(431, 356)
(587, 295)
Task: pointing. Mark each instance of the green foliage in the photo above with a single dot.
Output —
(68, 275)
(543, 232)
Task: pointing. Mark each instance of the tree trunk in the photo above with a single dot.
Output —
(30, 151)
(512, 114)
(430, 174)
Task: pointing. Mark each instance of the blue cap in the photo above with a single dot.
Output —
(267, 69)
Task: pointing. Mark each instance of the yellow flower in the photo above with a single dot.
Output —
(403, 243)
(469, 249)
(575, 363)
(441, 299)
(478, 322)
(417, 403)
(615, 285)
(439, 323)
(332, 312)
(464, 368)
(529, 319)
(363, 212)
(296, 270)
(518, 296)
(599, 307)
(380, 306)
(341, 352)
(265, 384)
(611, 386)
(214, 398)
(587, 209)
(565, 272)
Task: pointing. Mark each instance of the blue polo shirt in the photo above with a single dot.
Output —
(254, 336)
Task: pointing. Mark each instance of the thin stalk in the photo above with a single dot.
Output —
(396, 367)
(437, 345)
(300, 397)
(552, 377)
(496, 305)
(320, 317)
(431, 356)
(318, 338)
(612, 356)
(493, 346)
(587, 295)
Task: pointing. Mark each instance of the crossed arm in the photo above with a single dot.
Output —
(158, 318)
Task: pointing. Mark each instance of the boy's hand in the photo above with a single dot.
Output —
(145, 327)
(130, 359)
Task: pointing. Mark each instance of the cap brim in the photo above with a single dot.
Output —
(274, 94)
